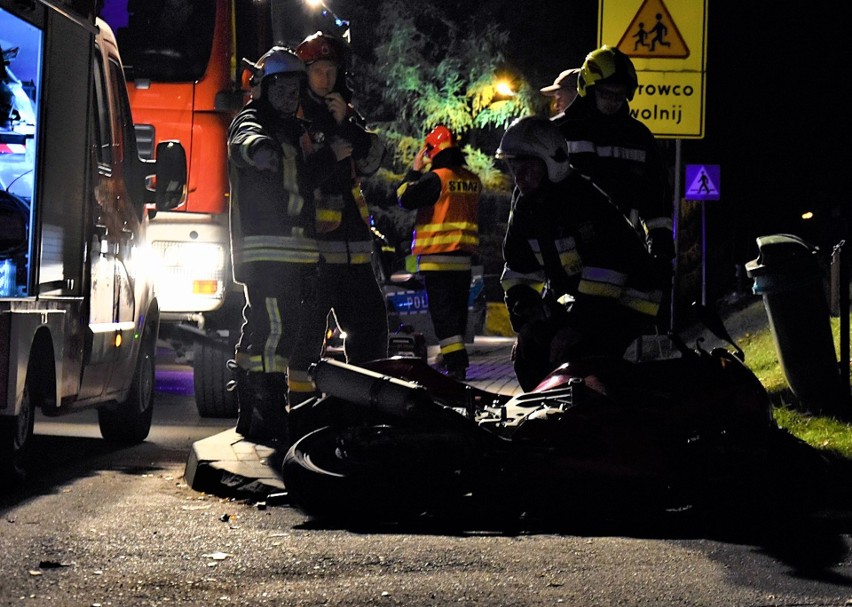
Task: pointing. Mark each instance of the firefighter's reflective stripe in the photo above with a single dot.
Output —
(607, 151)
(329, 211)
(646, 302)
(601, 282)
(444, 235)
(437, 263)
(262, 364)
(656, 223)
(401, 189)
(272, 362)
(299, 381)
(346, 252)
(295, 201)
(361, 202)
(451, 224)
(329, 208)
(283, 249)
(510, 278)
(451, 344)
(566, 248)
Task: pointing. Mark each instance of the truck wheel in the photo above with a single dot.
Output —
(130, 421)
(211, 376)
(16, 437)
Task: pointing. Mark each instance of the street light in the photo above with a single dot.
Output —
(504, 88)
(340, 26)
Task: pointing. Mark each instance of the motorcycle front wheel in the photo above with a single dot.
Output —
(377, 473)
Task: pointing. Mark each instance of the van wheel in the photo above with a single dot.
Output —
(210, 377)
(130, 421)
(16, 438)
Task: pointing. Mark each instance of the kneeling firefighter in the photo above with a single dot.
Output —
(578, 280)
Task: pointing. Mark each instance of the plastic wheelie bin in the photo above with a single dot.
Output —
(787, 275)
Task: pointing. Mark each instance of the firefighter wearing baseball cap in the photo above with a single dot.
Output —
(563, 91)
(347, 288)
(619, 152)
(273, 246)
(445, 195)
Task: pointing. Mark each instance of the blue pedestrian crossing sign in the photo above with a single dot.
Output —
(703, 182)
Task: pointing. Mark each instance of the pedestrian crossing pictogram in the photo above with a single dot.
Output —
(653, 34)
(702, 182)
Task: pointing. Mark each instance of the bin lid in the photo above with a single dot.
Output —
(783, 253)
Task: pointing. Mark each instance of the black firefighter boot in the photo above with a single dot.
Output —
(269, 414)
(245, 400)
(456, 364)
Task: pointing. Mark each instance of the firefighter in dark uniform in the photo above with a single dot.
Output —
(446, 236)
(348, 287)
(619, 153)
(273, 246)
(578, 280)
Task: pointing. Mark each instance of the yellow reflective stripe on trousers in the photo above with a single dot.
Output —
(510, 278)
(451, 344)
(272, 362)
(300, 381)
(257, 363)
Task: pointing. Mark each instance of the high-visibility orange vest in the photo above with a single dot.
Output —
(452, 223)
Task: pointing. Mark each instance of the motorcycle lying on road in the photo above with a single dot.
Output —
(395, 440)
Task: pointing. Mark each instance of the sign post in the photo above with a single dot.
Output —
(703, 183)
(667, 42)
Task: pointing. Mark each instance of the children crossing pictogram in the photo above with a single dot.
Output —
(653, 33)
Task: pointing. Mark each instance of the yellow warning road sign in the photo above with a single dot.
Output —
(653, 33)
(672, 78)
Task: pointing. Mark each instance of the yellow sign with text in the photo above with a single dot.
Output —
(666, 40)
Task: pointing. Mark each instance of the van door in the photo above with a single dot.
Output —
(104, 246)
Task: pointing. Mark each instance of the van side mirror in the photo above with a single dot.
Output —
(170, 190)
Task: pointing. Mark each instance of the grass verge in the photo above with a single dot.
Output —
(819, 431)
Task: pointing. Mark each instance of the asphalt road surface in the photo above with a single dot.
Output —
(100, 525)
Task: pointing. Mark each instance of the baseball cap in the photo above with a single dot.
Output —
(567, 78)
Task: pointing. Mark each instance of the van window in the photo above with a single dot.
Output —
(20, 75)
(103, 133)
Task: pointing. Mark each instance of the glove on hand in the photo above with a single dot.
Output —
(265, 156)
(524, 305)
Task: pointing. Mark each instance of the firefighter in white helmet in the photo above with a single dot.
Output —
(578, 280)
(273, 243)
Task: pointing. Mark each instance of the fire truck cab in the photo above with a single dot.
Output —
(78, 315)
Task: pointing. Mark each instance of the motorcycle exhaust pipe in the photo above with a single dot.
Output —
(369, 389)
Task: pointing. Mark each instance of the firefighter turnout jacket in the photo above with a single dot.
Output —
(342, 216)
(622, 157)
(271, 212)
(569, 242)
